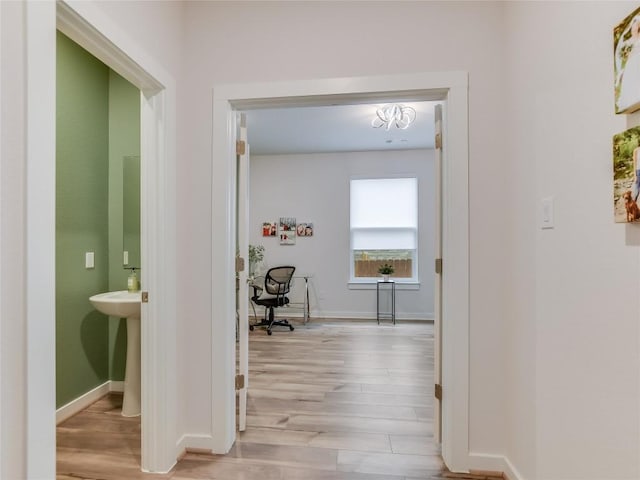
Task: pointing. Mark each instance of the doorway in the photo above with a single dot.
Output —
(91, 30)
(157, 242)
(450, 87)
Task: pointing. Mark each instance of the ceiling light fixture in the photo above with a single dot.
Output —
(395, 114)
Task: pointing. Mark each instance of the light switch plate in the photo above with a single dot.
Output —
(547, 213)
(89, 260)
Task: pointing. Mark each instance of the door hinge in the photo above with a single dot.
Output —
(438, 391)
(239, 264)
(239, 382)
(438, 140)
(145, 297)
(438, 266)
(241, 147)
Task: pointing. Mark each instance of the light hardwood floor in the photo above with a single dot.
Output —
(346, 400)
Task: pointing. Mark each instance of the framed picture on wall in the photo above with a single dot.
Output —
(287, 231)
(268, 229)
(626, 175)
(626, 50)
(305, 229)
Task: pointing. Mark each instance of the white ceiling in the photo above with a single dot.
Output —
(335, 128)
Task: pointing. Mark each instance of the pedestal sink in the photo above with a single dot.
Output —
(124, 304)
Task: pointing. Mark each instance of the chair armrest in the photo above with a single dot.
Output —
(257, 289)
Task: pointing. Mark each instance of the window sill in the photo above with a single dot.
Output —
(371, 285)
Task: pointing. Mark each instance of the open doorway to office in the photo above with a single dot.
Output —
(452, 89)
(342, 382)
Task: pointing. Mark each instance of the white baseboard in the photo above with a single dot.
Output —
(510, 472)
(116, 386)
(201, 443)
(429, 316)
(82, 402)
(494, 463)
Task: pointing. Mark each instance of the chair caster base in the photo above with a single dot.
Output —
(251, 327)
(269, 332)
(291, 328)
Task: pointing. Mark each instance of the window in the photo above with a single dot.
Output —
(384, 227)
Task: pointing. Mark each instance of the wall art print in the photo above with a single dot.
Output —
(626, 50)
(305, 229)
(287, 231)
(626, 175)
(268, 229)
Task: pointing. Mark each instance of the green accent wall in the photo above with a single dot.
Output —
(98, 118)
(124, 202)
(82, 169)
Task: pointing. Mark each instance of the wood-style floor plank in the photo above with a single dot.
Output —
(344, 400)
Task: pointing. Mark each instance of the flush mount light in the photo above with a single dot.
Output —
(395, 114)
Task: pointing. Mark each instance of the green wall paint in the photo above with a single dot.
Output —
(98, 118)
(124, 143)
(82, 167)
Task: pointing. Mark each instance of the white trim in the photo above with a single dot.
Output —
(223, 303)
(157, 233)
(455, 279)
(116, 386)
(195, 442)
(85, 24)
(3, 421)
(450, 86)
(40, 238)
(511, 472)
(76, 406)
(494, 463)
(242, 247)
(350, 315)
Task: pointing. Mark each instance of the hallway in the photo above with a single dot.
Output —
(345, 400)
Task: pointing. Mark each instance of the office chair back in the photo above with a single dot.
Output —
(277, 283)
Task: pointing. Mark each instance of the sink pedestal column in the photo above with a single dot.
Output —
(131, 397)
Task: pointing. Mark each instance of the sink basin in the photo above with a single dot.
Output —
(121, 304)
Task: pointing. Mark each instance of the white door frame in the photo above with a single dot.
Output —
(242, 225)
(450, 86)
(87, 25)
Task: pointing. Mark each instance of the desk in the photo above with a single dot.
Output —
(392, 290)
(258, 282)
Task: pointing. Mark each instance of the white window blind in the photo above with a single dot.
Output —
(383, 218)
(384, 213)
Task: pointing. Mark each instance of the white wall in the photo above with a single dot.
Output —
(315, 188)
(573, 304)
(12, 249)
(306, 40)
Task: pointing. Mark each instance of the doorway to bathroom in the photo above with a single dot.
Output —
(97, 222)
(155, 105)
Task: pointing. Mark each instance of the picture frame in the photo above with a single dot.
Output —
(269, 229)
(626, 49)
(304, 229)
(626, 176)
(287, 230)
